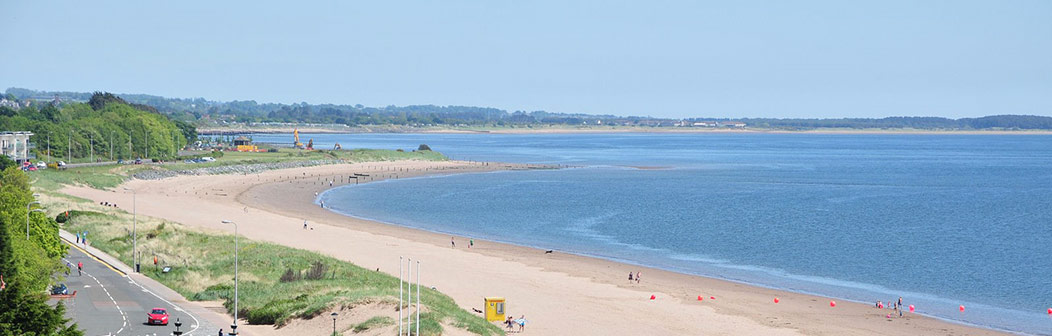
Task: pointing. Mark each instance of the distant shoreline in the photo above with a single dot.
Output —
(613, 129)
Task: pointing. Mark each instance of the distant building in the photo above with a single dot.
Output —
(15, 145)
(9, 103)
(735, 124)
(704, 124)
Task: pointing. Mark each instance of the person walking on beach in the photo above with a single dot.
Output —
(522, 322)
(629, 277)
(637, 277)
(471, 242)
(509, 323)
(304, 224)
(220, 331)
(899, 305)
(452, 242)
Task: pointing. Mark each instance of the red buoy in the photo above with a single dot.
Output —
(911, 308)
(775, 300)
(699, 298)
(653, 297)
(832, 303)
(961, 308)
(1049, 311)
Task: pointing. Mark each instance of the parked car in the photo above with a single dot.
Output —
(62, 163)
(41, 165)
(120, 161)
(157, 316)
(138, 161)
(59, 289)
(208, 159)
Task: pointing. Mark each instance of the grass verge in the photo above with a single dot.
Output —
(203, 263)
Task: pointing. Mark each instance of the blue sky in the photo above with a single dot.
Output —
(659, 58)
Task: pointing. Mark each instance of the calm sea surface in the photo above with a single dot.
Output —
(942, 220)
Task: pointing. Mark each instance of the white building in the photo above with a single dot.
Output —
(15, 145)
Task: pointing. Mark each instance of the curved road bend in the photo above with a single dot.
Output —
(110, 303)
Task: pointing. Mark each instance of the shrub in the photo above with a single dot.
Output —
(317, 271)
(290, 276)
(423, 147)
(62, 217)
(217, 154)
(400, 150)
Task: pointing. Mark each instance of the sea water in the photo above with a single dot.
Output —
(941, 220)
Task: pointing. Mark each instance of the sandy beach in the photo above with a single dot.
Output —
(560, 294)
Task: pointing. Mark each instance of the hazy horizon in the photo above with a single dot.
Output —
(753, 59)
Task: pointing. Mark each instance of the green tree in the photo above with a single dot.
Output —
(27, 265)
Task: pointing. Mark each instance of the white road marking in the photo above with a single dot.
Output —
(87, 286)
(177, 308)
(123, 316)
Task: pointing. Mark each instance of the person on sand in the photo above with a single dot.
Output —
(471, 242)
(452, 242)
(220, 331)
(304, 224)
(637, 277)
(522, 322)
(629, 277)
(509, 323)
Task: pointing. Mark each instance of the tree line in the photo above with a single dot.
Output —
(202, 111)
(103, 125)
(27, 265)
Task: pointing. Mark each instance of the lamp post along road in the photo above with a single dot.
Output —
(418, 297)
(29, 205)
(409, 297)
(233, 327)
(400, 295)
(135, 245)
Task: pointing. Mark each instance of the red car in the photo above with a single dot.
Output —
(157, 316)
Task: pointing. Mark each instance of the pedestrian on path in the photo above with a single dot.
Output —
(78, 237)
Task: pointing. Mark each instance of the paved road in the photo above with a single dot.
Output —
(110, 303)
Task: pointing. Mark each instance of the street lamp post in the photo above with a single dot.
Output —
(30, 211)
(135, 236)
(233, 327)
(333, 323)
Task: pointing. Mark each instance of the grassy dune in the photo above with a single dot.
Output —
(203, 269)
(277, 283)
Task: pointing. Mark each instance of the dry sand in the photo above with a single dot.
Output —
(559, 294)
